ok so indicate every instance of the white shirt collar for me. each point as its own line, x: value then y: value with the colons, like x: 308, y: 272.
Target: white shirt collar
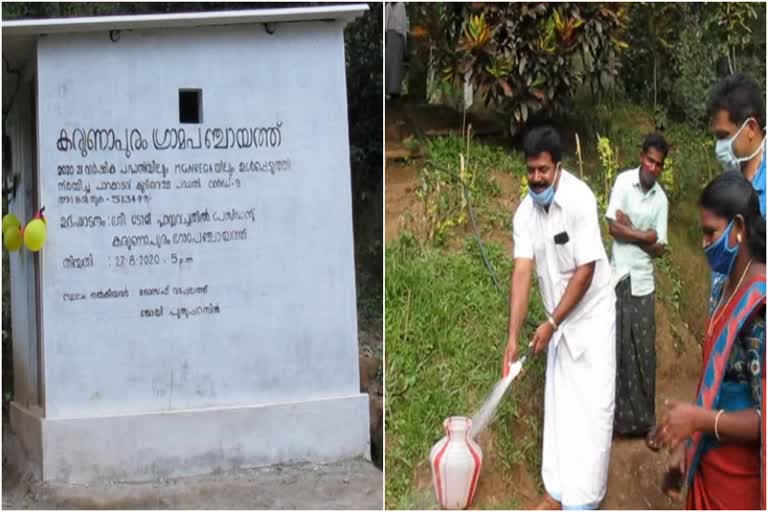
x: 562, y: 192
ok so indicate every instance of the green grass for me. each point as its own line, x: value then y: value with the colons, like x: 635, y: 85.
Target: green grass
x: 445, y: 151
x: 445, y: 329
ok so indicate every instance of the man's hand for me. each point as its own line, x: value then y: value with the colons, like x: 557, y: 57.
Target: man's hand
x: 518, y: 308
x: 623, y: 230
x: 510, y: 355
x: 623, y: 218
x: 541, y: 337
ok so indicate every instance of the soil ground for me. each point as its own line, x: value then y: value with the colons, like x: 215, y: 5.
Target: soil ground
x: 353, y: 484
x: 635, y: 472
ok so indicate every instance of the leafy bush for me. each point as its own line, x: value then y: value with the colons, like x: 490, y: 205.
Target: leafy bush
x: 530, y: 57
x: 677, y: 51
x: 440, y: 191
x: 610, y: 169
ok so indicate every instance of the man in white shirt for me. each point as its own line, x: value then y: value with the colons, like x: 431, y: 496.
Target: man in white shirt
x: 556, y: 226
x: 637, y: 218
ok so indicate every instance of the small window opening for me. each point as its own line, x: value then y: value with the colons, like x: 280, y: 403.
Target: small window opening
x: 190, y: 105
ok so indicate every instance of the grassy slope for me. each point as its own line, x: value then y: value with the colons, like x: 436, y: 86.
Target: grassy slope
x: 445, y: 322
x: 445, y: 330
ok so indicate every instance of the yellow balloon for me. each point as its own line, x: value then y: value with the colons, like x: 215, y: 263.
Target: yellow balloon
x: 10, y: 220
x: 34, y: 235
x: 12, y: 238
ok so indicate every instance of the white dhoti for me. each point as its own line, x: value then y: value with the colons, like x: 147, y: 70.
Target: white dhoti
x: 578, y: 414
x: 581, y: 358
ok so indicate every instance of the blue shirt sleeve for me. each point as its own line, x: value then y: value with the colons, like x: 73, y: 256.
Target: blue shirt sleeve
x: 758, y: 183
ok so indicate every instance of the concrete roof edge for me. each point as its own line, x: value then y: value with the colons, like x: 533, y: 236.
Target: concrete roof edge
x: 345, y: 12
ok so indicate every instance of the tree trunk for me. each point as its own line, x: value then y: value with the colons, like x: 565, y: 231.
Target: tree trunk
x: 654, y: 80
x: 418, y: 68
x: 730, y: 62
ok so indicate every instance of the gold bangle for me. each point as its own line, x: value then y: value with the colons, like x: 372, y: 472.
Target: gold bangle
x: 717, y: 419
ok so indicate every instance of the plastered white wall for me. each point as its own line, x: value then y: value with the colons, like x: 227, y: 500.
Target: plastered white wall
x: 270, y: 311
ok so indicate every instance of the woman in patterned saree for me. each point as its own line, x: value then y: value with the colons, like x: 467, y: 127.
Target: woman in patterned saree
x: 720, y: 440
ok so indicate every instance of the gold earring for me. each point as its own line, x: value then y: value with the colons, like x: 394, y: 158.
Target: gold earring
x: 738, y: 238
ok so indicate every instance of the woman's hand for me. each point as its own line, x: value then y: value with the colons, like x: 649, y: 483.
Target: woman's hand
x: 679, y: 423
x: 675, y: 475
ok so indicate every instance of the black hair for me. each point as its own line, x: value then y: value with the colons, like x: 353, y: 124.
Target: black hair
x: 543, y: 139
x: 730, y: 194
x: 656, y: 140
x: 740, y: 96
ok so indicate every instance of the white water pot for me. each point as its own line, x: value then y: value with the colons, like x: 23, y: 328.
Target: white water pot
x: 455, y: 461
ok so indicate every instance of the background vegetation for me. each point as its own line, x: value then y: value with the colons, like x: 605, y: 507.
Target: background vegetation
x: 531, y: 57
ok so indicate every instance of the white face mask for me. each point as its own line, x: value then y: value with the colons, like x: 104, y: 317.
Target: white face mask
x: 724, y: 151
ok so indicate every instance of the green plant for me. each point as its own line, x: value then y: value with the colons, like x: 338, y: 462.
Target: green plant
x: 669, y: 179
x: 440, y: 193
x: 693, y: 161
x: 677, y: 50
x: 528, y: 57
x: 610, y: 166
x: 734, y: 20
x: 654, y: 29
x: 523, y: 191
x: 671, y: 295
x: 696, y: 72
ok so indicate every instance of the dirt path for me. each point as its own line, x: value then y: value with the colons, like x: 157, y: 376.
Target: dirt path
x: 634, y: 478
x: 635, y: 474
x: 401, y: 183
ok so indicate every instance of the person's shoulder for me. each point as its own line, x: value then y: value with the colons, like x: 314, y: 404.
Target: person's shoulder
x: 577, y: 190
x: 663, y: 199
x: 627, y: 174
x: 625, y: 178
x: 525, y: 207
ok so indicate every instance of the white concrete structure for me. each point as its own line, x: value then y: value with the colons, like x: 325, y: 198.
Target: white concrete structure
x: 194, y: 306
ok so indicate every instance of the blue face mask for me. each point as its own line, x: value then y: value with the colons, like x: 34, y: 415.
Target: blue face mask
x: 545, y: 197
x: 719, y: 255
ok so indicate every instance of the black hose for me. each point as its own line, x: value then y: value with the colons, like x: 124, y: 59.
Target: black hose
x: 421, y: 136
x: 476, y: 232
x: 473, y: 222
